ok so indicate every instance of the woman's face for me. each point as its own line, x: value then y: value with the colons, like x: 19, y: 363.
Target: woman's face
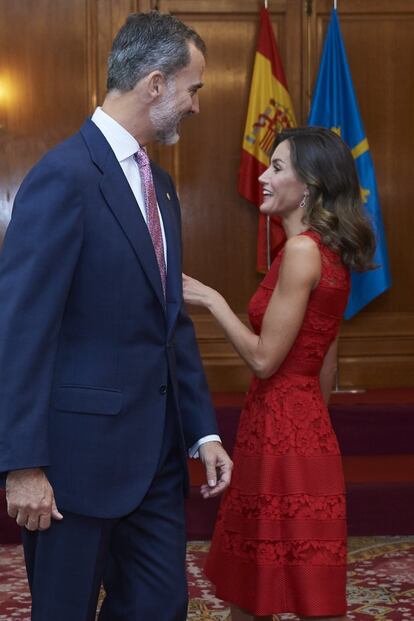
x: 282, y: 189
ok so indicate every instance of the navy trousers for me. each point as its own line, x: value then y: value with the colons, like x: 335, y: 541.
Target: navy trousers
x: 140, y: 557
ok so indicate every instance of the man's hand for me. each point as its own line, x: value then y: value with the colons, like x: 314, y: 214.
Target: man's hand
x: 218, y: 467
x: 30, y: 499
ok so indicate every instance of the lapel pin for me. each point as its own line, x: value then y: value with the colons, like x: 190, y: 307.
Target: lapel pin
x: 168, y: 196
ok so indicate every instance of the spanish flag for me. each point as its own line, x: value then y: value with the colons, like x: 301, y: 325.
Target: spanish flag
x: 270, y: 110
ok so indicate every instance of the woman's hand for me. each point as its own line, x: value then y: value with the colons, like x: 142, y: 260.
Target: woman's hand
x: 198, y: 294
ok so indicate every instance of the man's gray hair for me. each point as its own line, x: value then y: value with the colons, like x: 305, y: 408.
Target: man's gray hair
x: 147, y: 42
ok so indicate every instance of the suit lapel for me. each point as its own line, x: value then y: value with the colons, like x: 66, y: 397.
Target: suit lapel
x: 120, y: 199
x: 173, y: 293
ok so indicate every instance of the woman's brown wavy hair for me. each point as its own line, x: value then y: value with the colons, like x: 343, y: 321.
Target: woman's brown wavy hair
x: 334, y: 209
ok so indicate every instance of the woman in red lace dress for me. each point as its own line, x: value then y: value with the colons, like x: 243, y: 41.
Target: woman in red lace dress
x: 280, y: 539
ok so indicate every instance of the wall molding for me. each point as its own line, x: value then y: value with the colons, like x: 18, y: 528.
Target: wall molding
x: 376, y: 350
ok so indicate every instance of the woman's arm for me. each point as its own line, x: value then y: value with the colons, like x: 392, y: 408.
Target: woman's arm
x: 299, y: 274
x: 328, y: 370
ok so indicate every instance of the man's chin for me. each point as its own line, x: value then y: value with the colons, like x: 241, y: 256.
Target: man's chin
x: 170, y: 138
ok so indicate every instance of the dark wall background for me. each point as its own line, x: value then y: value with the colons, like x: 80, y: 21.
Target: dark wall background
x: 52, y: 74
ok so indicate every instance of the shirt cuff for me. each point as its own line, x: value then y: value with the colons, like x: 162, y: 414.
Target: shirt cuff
x: 193, y: 451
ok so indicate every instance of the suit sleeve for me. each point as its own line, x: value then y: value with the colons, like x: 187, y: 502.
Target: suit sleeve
x: 194, y: 398
x: 37, y: 262
x: 195, y: 403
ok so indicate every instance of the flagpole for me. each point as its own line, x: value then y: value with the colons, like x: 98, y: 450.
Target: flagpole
x: 267, y: 217
x: 268, y: 257
x: 268, y: 87
x: 337, y: 388
x: 308, y: 67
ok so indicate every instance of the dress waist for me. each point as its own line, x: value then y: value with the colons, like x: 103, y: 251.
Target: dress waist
x: 298, y: 366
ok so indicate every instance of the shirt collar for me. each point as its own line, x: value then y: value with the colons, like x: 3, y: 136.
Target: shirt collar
x: 122, y: 143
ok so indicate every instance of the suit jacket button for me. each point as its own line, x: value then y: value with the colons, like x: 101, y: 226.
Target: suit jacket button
x: 163, y: 389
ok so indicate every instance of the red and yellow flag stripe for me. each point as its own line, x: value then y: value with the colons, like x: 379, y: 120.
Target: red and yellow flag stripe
x: 269, y: 111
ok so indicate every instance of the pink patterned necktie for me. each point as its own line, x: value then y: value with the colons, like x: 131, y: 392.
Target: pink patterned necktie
x: 153, y: 217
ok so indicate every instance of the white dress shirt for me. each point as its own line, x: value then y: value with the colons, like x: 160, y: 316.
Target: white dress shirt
x: 124, y: 146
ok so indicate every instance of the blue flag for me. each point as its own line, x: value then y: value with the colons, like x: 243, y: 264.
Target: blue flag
x: 335, y: 106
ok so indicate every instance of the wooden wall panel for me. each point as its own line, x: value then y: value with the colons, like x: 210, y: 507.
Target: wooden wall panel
x: 377, y: 346
x: 377, y: 350
x: 375, y: 355
x: 53, y: 56
x: 219, y: 227
x: 108, y: 15
x: 43, y: 83
x: 379, y: 39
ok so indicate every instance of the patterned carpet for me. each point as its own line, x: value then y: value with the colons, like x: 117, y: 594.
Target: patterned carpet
x: 380, y: 582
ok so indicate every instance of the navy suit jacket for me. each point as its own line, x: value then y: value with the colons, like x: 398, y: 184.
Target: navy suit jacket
x: 92, y: 358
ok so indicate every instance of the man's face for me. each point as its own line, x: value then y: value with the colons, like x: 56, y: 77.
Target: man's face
x: 180, y: 99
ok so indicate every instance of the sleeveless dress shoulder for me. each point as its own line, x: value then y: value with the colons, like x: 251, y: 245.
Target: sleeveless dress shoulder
x: 280, y: 538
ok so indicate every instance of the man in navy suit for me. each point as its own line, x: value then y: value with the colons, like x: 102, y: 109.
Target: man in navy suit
x: 102, y: 392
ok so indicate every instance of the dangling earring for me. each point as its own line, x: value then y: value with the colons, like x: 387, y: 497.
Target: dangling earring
x: 304, y: 200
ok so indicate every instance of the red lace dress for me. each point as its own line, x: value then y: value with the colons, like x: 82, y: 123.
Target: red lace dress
x: 280, y: 539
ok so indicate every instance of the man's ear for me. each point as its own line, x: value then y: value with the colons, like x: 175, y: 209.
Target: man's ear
x: 155, y: 83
